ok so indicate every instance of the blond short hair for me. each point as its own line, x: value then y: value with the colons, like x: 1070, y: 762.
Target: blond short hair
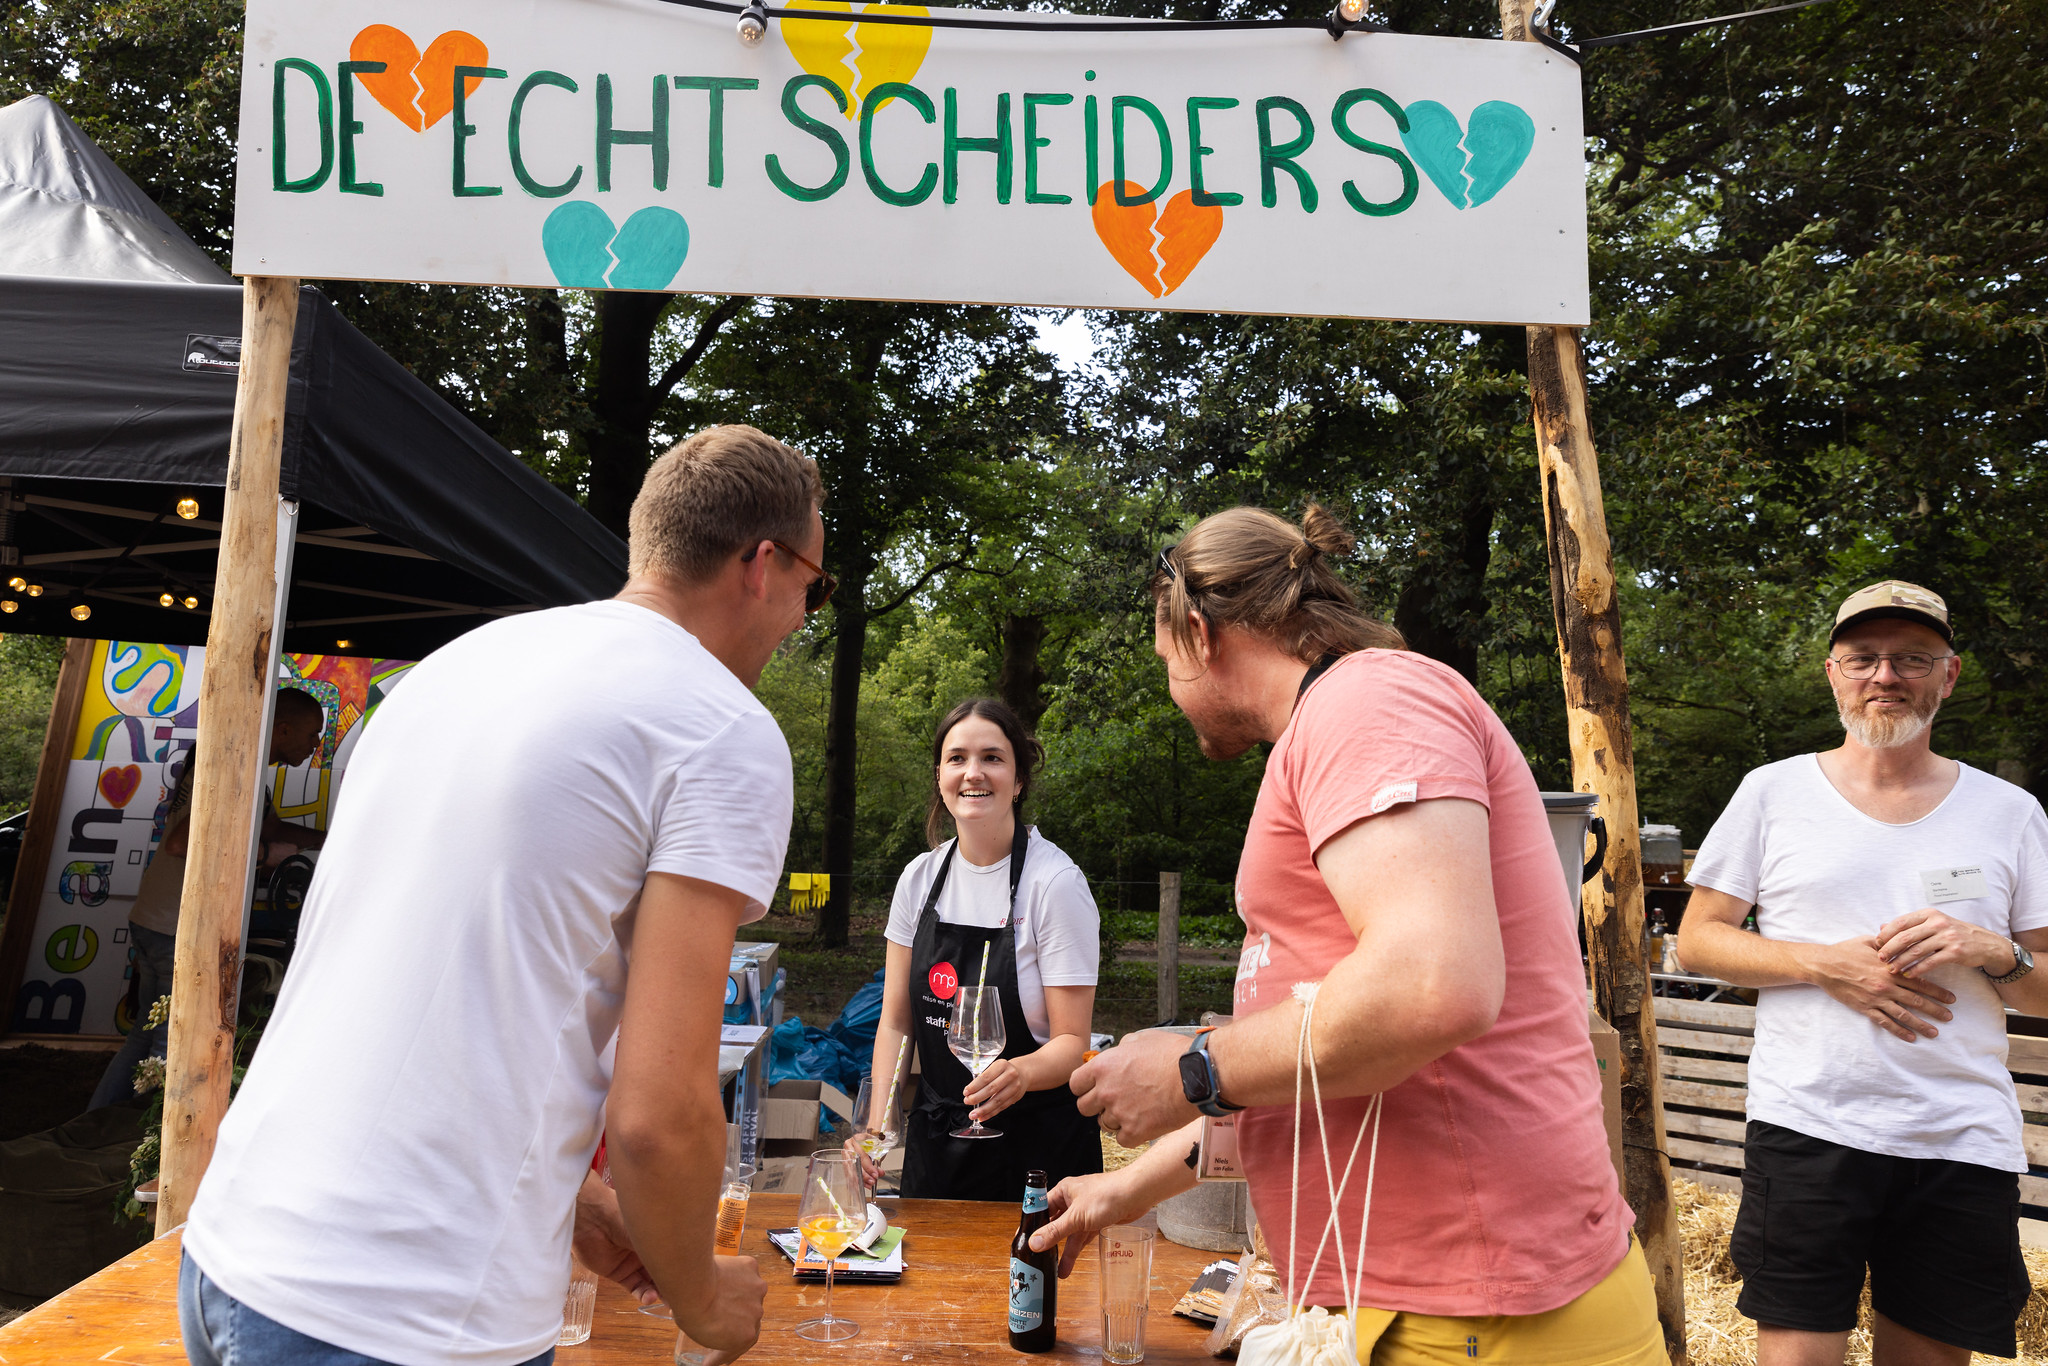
x: 1250, y: 568
x: 715, y: 494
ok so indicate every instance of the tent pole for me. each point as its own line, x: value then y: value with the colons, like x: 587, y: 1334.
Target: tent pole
x: 25, y: 898
x: 234, y: 698
x: 1603, y: 762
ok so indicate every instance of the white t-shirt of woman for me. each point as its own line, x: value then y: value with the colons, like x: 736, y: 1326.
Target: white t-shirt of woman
x: 1057, y: 926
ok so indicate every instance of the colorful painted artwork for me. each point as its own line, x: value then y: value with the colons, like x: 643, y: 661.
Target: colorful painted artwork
x: 135, y: 732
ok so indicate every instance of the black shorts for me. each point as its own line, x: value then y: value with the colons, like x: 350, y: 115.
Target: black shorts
x: 1941, y: 1239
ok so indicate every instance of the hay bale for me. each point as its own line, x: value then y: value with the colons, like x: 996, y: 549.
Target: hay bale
x: 1115, y: 1154
x: 1716, y: 1335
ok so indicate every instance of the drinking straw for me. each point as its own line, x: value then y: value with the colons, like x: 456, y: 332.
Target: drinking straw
x: 896, y: 1077
x: 979, y: 979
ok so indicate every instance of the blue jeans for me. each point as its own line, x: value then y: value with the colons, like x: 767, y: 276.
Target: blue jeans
x: 150, y: 954
x: 222, y: 1331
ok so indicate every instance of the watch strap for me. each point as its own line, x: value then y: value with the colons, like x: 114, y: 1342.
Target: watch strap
x: 1213, y: 1104
x: 2022, y: 964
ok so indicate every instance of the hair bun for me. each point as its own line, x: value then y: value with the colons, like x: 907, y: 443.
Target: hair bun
x: 1322, y: 531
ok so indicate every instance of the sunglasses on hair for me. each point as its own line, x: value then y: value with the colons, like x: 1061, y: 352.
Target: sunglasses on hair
x: 1166, y: 561
x: 819, y: 590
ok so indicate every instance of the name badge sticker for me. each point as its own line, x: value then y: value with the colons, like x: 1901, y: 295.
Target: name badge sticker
x: 1943, y: 885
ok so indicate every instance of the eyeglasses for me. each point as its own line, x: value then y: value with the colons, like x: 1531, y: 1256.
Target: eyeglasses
x: 819, y: 590
x: 1166, y: 561
x: 1912, y: 664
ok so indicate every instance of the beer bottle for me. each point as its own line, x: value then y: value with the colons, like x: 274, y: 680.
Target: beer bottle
x: 1034, y: 1276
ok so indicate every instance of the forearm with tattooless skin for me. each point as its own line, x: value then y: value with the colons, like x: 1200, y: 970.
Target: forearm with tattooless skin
x: 1712, y: 942
x: 894, y: 1025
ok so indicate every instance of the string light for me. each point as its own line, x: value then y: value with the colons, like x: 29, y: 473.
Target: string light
x: 341, y: 644
x: 188, y: 508
x: 18, y: 583
x: 753, y: 24
x: 191, y: 602
x: 80, y: 612
x: 167, y: 600
x: 34, y: 590
x: 10, y: 605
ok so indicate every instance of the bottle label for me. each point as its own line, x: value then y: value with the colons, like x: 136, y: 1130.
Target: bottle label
x: 1027, y: 1297
x: 1034, y: 1199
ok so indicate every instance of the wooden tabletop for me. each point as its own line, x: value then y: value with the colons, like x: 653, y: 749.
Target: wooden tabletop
x: 951, y: 1306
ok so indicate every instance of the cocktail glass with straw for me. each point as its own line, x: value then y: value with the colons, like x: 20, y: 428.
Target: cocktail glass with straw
x: 974, y: 1035
x: 833, y: 1213
x: 879, y: 1112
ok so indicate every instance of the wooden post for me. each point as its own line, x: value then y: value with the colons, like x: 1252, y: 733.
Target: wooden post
x: 233, y: 699
x: 24, y: 898
x: 1169, y: 947
x: 1603, y: 762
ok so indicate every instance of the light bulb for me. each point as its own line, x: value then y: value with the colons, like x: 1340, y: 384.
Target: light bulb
x: 80, y: 612
x: 167, y: 600
x: 341, y: 645
x: 10, y: 605
x: 753, y: 24
x: 34, y: 590
x: 1352, y: 10
x: 191, y: 602
x: 17, y: 583
x: 188, y: 508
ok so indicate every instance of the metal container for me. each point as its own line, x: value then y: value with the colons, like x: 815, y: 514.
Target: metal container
x: 1571, y: 820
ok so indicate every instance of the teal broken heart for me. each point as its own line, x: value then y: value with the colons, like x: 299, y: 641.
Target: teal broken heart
x: 586, y: 252
x: 1471, y: 164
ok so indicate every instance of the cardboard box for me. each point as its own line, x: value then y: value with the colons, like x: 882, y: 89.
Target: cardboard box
x: 791, y: 1108
x: 750, y: 981
x: 1607, y: 1055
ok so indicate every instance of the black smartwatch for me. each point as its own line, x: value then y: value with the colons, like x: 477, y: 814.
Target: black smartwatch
x: 1199, y: 1082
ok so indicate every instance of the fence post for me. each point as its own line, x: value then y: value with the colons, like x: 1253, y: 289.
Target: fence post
x: 1169, y: 947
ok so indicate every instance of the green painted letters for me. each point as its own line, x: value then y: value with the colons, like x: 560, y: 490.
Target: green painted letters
x: 279, y: 180
x: 519, y: 171
x: 1197, y: 191
x: 872, y: 105
x: 608, y: 137
x: 1279, y: 156
x: 1092, y: 134
x: 999, y: 145
x: 345, y: 84
x: 1409, y: 181
x: 1032, y: 142
x: 1150, y: 110
x: 823, y: 132
x: 463, y: 132
x: 717, y: 86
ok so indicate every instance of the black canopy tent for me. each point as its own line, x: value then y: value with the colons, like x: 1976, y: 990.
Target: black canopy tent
x: 119, y: 345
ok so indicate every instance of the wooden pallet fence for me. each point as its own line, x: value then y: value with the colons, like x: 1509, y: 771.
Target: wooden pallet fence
x: 1703, y: 1056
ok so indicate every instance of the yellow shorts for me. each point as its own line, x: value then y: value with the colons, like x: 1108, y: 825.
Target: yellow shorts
x: 1613, y: 1324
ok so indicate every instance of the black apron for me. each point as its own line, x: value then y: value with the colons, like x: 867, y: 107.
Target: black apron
x: 1043, y: 1131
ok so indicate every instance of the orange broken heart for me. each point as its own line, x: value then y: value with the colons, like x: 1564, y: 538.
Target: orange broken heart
x: 1159, y: 247
x: 418, y: 89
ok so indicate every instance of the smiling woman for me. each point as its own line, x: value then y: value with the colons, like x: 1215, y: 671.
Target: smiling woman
x: 997, y: 906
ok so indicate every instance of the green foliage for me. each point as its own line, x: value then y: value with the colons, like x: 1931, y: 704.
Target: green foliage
x: 28, y: 681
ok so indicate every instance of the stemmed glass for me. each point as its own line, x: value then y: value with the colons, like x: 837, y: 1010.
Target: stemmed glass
x: 974, y: 1035
x: 879, y: 1112
x: 834, y: 1213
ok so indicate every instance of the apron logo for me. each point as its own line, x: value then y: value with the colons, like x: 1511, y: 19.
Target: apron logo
x: 944, y: 981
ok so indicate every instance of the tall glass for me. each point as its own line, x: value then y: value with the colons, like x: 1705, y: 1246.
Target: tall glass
x: 1124, y: 1254
x: 974, y: 1035
x: 833, y: 1213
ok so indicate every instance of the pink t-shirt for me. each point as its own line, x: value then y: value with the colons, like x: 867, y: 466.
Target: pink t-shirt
x: 1495, y: 1193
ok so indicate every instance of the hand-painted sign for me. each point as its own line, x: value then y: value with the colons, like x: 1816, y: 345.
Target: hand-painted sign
x: 630, y: 144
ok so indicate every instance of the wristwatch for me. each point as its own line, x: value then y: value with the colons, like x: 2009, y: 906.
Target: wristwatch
x: 1199, y: 1082
x: 2022, y: 964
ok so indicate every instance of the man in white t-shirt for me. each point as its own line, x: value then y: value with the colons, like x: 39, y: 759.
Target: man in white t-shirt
x: 1899, y: 898
x: 552, y: 831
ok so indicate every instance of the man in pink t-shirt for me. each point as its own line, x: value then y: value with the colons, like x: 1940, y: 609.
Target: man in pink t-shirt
x: 1399, y: 857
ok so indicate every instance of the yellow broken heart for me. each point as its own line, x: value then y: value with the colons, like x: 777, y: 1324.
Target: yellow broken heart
x: 878, y: 53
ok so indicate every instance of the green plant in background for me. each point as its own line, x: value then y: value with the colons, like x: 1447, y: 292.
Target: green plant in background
x: 28, y: 682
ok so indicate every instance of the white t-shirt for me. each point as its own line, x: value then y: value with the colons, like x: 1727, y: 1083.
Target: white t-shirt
x: 1820, y: 871
x: 398, y: 1174
x: 1058, y: 929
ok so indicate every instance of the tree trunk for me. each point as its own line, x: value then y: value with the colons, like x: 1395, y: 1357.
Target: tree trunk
x: 1021, y: 681
x: 1444, y: 597
x: 842, y: 745
x: 620, y: 446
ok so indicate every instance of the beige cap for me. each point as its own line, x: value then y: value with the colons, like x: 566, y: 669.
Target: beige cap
x: 1897, y: 599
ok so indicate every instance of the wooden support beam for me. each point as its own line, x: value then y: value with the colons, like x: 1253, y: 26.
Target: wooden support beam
x: 24, y: 897
x: 233, y: 707
x: 1603, y: 762
x: 1169, y: 947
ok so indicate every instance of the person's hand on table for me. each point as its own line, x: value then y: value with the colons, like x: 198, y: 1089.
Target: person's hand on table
x: 1133, y: 1089
x: 1082, y: 1206
x: 726, y: 1316
x: 1000, y: 1086
x: 602, y: 1243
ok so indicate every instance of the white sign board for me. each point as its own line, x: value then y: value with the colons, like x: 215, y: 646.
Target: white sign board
x: 632, y: 144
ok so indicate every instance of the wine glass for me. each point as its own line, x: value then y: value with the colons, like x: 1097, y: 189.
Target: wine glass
x: 879, y: 1112
x: 834, y: 1213
x: 974, y: 1035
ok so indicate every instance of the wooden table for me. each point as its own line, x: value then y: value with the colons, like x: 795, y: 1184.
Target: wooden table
x: 951, y: 1306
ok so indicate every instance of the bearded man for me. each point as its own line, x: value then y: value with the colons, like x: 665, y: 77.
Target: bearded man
x: 1900, y: 897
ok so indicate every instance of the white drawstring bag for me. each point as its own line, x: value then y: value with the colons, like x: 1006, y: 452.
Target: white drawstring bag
x: 1312, y: 1335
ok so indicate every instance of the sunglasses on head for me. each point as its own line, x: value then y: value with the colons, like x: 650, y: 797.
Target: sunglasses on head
x: 819, y: 590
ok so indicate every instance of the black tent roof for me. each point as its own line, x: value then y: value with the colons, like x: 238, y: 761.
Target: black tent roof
x: 118, y: 347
